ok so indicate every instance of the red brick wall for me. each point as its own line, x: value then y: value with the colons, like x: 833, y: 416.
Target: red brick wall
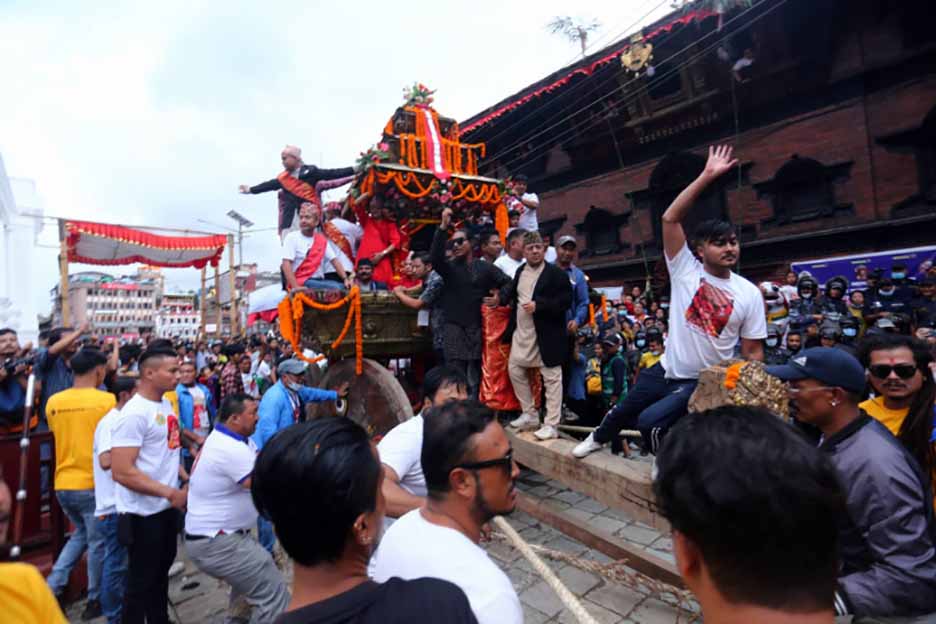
x: 879, y: 177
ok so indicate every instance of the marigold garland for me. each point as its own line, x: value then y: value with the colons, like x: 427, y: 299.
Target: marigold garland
x: 591, y: 314
x: 291, y: 313
x: 604, y: 308
x: 732, y: 373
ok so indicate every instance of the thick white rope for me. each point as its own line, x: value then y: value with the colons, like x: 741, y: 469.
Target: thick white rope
x: 568, y: 598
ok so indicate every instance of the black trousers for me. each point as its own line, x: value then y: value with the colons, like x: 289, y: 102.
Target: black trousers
x: 151, y: 549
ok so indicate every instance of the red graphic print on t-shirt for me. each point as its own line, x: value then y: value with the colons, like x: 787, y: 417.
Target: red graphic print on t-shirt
x: 710, y: 309
x: 172, y: 425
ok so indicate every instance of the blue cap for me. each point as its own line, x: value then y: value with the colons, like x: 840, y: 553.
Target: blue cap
x: 833, y: 367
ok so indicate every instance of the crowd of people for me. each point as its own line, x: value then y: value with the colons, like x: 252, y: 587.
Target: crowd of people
x: 207, y: 445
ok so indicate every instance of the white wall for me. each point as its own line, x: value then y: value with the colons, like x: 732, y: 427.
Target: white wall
x: 21, y: 222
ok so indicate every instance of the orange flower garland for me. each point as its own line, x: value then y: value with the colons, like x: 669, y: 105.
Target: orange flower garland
x: 732, y: 374
x: 291, y: 313
x: 604, y: 308
x: 591, y: 314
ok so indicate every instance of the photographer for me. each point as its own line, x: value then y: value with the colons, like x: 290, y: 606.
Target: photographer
x: 13, y: 376
x: 52, y: 365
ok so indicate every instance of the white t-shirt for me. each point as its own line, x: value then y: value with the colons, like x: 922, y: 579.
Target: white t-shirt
x: 551, y: 255
x: 528, y: 218
x: 708, y: 316
x: 263, y: 370
x: 295, y: 247
x: 351, y: 231
x: 401, y: 449
x: 152, y: 427
x: 414, y: 548
x: 104, y: 501
x: 508, y: 265
x: 250, y: 385
x: 217, y: 501
x: 200, y: 413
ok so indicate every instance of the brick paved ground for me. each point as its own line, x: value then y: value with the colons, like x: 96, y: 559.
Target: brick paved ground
x: 200, y: 599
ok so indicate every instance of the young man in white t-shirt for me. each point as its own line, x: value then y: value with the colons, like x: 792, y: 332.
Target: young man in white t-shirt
x: 114, y: 565
x: 302, y: 269
x: 527, y: 204
x: 711, y: 309
x: 221, y: 513
x: 145, y: 465
x: 404, y: 485
x: 513, y: 253
x: 470, y: 477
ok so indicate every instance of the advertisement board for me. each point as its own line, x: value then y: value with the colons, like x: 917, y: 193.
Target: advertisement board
x: 918, y: 261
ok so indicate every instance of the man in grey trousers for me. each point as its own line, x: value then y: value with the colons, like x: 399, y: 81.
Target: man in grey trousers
x: 221, y: 513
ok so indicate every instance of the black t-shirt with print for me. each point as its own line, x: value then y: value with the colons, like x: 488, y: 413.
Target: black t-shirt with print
x: 425, y: 600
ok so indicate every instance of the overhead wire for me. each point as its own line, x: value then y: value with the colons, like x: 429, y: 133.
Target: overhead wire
x: 653, y: 82
x: 657, y: 80
x: 574, y: 87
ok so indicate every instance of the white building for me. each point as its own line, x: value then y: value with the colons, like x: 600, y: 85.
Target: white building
x: 21, y: 222
x: 178, y: 317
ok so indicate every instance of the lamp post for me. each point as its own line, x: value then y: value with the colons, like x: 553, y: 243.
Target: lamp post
x: 242, y: 222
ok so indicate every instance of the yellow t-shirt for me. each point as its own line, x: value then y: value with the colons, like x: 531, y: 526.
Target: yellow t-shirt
x: 73, y: 415
x: 892, y: 419
x: 648, y: 359
x: 25, y: 596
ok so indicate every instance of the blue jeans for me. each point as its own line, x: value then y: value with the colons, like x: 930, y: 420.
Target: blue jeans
x: 114, y: 568
x: 78, y: 505
x: 652, y: 405
x: 265, y: 534
x: 323, y: 284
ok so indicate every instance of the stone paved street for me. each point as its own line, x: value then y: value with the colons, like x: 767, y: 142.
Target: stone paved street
x: 200, y: 599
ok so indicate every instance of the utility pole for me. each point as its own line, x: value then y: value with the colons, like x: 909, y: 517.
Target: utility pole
x: 242, y: 222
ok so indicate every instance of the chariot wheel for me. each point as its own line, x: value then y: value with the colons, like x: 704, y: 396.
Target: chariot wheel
x: 376, y: 400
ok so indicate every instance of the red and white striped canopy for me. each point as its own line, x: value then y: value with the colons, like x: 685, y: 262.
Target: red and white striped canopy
x: 102, y: 243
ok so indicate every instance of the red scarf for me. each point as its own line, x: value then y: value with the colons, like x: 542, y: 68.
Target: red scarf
x: 299, y: 188
x: 334, y: 235
x: 312, y: 260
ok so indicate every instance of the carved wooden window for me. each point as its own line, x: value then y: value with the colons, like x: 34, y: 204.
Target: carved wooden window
x: 602, y: 231
x: 803, y: 189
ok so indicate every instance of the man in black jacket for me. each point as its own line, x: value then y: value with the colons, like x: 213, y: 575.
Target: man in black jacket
x: 539, y: 296
x: 887, y: 541
x: 466, y: 282
x: 297, y: 183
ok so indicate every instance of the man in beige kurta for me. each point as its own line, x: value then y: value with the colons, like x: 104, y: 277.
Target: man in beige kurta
x: 525, y: 353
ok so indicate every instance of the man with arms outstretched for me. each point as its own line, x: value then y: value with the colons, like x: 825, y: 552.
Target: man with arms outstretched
x: 711, y: 309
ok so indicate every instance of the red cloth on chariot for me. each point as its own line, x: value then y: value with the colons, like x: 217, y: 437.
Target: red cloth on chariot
x: 378, y: 235
x: 496, y: 390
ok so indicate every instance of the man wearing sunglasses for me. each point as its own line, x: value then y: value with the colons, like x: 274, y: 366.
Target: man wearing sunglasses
x: 886, y: 541
x: 470, y: 477
x: 466, y: 283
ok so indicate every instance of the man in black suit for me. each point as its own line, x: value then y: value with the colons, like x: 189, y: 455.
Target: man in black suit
x: 539, y: 296
x: 297, y: 183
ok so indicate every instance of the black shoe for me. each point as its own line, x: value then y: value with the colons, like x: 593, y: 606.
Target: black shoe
x: 91, y: 611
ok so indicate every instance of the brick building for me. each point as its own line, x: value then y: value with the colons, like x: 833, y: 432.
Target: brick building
x: 834, y: 121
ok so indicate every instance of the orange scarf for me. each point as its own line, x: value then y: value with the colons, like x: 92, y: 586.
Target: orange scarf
x: 299, y: 188
x: 334, y: 235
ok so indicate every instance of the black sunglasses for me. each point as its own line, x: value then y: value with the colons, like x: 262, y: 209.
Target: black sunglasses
x: 505, y: 462
x: 459, y: 240
x: 883, y: 371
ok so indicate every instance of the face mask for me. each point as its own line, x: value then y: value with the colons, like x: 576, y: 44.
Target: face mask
x: 772, y: 342
x: 665, y: 306
x: 292, y: 385
x: 641, y: 343
x: 898, y: 275
x: 851, y: 333
x: 886, y: 293
x: 806, y: 295
x: 655, y: 352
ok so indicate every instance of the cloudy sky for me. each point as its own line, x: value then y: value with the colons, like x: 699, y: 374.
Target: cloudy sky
x: 153, y: 113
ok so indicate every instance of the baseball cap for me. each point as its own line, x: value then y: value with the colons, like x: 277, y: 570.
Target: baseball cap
x: 833, y: 367
x: 566, y: 239
x: 612, y: 340
x: 292, y: 366
x: 885, y: 323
